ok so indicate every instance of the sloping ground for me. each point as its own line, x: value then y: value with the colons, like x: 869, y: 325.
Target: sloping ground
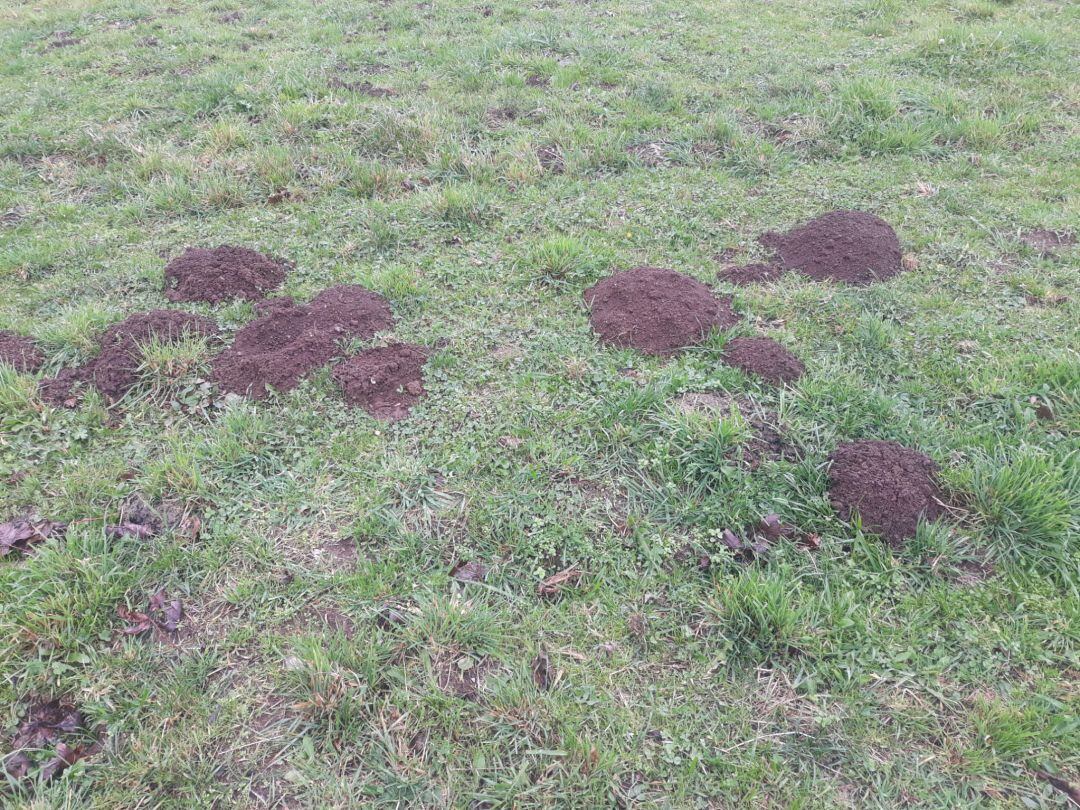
x: 415, y: 493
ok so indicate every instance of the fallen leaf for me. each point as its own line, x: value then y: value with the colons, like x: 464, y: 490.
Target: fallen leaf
x: 469, y: 572
x: 1063, y: 785
x: 162, y: 615
x: 20, y: 535
x: 554, y: 585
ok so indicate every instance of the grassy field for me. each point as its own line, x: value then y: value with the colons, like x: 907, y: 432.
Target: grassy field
x: 480, y: 163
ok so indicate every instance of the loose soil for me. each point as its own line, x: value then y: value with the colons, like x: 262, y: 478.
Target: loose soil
x: 386, y: 382
x: 116, y: 368
x: 461, y: 674
x: 846, y: 246
x: 20, y: 352
x: 289, y: 340
x: 655, y: 310
x: 888, y: 485
x: 750, y: 273
x: 763, y: 357
x: 221, y: 274
x: 1047, y: 242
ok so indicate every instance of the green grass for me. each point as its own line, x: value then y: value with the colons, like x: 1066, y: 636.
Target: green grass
x: 525, y: 151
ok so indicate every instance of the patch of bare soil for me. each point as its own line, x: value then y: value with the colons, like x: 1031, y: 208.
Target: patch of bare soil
x: 763, y: 357
x: 116, y: 368
x: 221, y: 274
x: 655, y: 310
x: 289, y: 340
x: 461, y: 674
x: 340, y: 555
x: 891, y: 487
x: 20, y: 352
x: 1047, y: 242
x: 386, y: 382
x: 851, y: 247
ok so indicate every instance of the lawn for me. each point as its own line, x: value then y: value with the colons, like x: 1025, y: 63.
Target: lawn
x: 521, y: 595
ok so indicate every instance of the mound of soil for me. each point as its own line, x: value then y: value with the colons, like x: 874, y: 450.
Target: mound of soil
x: 116, y: 368
x: 847, y: 246
x: 289, y: 340
x: 655, y: 310
x: 221, y: 274
x: 19, y: 352
x: 750, y: 273
x: 888, y: 485
x: 385, y: 382
x: 764, y: 357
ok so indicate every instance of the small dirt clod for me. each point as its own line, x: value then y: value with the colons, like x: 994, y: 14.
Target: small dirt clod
x: 656, y: 310
x: 891, y: 487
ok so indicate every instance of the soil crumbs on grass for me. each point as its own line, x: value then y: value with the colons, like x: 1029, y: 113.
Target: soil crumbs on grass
x: 656, y: 310
x: 289, y: 340
x: 20, y: 352
x: 847, y: 246
x: 116, y: 368
x: 765, y: 358
x: 891, y: 487
x: 221, y: 274
x: 386, y: 382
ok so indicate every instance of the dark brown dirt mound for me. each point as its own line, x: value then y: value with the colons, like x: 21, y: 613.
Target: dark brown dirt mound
x: 764, y: 357
x: 655, y: 310
x: 116, y: 368
x: 19, y: 352
x: 291, y: 340
x: 750, y: 273
x: 385, y: 382
x: 890, y: 486
x: 847, y: 246
x: 221, y: 274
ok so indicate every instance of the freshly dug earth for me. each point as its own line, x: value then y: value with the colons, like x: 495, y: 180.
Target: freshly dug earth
x: 289, y: 340
x: 221, y: 274
x: 386, y: 382
x: 890, y: 486
x: 764, y: 357
x: 116, y: 368
x: 19, y: 352
x: 655, y: 310
x: 750, y: 273
x: 846, y: 246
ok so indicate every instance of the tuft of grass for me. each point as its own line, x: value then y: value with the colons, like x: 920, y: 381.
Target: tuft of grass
x: 1030, y: 505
